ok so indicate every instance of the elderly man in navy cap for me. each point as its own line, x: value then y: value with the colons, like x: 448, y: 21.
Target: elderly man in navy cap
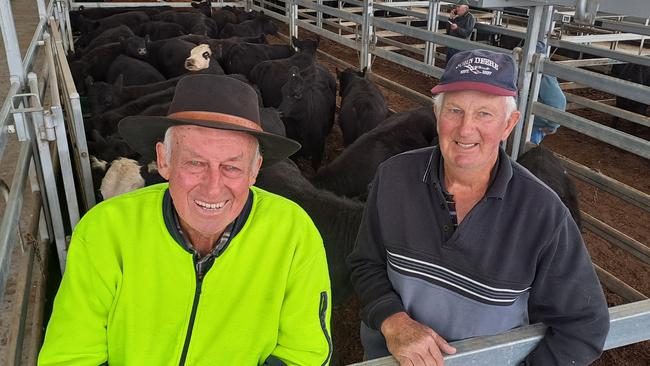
x: 459, y: 241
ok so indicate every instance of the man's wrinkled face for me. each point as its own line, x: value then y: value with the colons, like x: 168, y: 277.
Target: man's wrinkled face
x: 210, y: 172
x: 471, y: 125
x: 462, y: 9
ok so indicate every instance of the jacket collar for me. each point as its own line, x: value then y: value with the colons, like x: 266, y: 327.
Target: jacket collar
x: 169, y: 216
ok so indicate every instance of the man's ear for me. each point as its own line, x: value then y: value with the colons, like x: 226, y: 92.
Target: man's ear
x: 511, y: 123
x: 161, y: 161
x: 256, y: 170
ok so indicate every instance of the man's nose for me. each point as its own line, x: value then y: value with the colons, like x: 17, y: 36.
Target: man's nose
x: 213, y: 180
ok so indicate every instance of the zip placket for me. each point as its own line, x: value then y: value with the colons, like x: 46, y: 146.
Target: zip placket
x: 198, y: 271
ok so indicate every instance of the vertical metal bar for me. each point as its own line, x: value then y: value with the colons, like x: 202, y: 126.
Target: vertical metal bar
x: 42, y: 12
x: 319, y: 15
x: 12, y: 49
x: 524, y: 73
x: 366, y: 35
x: 546, y: 25
x: 528, y: 117
x: 11, y: 215
x: 432, y: 26
x: 61, y: 139
x: 48, y: 175
x: 293, y: 17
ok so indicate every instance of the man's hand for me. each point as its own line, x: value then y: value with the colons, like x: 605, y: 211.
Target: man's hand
x: 454, y: 26
x: 412, y: 343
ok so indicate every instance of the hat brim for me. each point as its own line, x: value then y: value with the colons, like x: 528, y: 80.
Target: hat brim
x: 473, y: 85
x: 143, y: 132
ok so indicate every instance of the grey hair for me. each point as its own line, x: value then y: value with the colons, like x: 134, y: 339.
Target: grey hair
x: 511, y: 105
x: 167, y: 144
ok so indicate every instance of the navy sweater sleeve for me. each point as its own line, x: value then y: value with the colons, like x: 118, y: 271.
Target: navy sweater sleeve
x: 567, y: 297
x: 367, y: 264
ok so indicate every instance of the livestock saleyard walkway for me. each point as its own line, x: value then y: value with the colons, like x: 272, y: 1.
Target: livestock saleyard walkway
x: 43, y: 142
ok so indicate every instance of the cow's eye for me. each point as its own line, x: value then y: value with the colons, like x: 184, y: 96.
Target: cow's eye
x: 206, y: 55
x: 297, y: 95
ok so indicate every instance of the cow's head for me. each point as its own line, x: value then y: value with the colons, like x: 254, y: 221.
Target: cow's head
x: 135, y: 46
x: 292, y: 92
x: 199, y: 58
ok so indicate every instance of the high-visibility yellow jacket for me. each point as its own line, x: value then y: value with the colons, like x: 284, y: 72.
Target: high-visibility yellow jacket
x: 131, y: 296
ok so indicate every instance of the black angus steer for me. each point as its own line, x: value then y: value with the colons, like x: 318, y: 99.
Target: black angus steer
x: 133, y: 71
x: 169, y: 55
x: 157, y: 30
x: 241, y: 58
x: 549, y: 169
x: 261, y: 24
x: 271, y: 75
x: 96, y: 62
x: 108, y: 36
x: 308, y: 106
x: 363, y: 107
x: 337, y: 218
x: 351, y: 172
x: 92, y: 28
x: 193, y: 21
x: 639, y: 74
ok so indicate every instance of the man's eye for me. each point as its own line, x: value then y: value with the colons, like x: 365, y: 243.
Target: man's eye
x: 194, y: 163
x: 231, y: 169
x: 455, y: 110
x: 484, y: 114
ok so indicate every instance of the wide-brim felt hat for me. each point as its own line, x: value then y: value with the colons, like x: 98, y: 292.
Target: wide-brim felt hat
x: 213, y: 101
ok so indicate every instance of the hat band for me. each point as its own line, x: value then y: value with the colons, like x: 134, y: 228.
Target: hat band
x: 216, y: 117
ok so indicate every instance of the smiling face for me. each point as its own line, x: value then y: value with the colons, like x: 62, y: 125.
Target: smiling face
x: 471, y: 125
x: 210, y: 172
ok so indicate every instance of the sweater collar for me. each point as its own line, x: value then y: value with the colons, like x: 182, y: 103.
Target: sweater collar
x: 499, y: 177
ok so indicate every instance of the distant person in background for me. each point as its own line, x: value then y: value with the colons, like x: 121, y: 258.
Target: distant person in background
x: 550, y: 94
x: 461, y: 23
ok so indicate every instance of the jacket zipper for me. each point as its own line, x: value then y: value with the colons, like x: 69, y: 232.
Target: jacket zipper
x: 195, y: 305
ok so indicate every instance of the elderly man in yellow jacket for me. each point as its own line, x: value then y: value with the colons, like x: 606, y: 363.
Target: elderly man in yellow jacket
x: 205, y: 269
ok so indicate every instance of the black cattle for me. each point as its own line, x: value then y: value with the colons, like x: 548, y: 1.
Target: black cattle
x: 336, y: 218
x: 351, y: 172
x: 262, y: 24
x: 108, y: 36
x: 637, y: 74
x: 157, y: 30
x: 97, y: 62
x: 271, y: 75
x: 193, y: 22
x: 92, y: 28
x: 548, y: 168
x: 110, y: 147
x: 169, y: 55
x: 271, y: 121
x: 77, y: 16
x: 308, y: 107
x: 133, y: 71
x: 363, y: 107
x: 241, y: 58
x: 106, y: 123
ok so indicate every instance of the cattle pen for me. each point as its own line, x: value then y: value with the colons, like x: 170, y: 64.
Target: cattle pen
x: 47, y: 178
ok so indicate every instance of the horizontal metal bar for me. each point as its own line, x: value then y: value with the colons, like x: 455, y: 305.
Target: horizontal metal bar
x: 622, y: 289
x: 607, y: 184
x: 408, y: 62
x: 11, y: 215
x: 331, y: 11
x: 616, y: 237
x: 596, y: 130
x: 4, y: 115
x: 614, y: 37
x: 30, y: 54
x: 602, y: 52
x: 589, y: 62
x: 601, y: 107
x: 327, y: 34
x: 629, y: 323
x: 634, y: 91
x: 76, y: 4
x: 623, y: 26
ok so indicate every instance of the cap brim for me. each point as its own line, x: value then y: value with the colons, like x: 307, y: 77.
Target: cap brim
x: 473, y: 85
x: 143, y: 132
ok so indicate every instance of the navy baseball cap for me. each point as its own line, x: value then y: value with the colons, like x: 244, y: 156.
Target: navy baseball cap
x: 480, y: 70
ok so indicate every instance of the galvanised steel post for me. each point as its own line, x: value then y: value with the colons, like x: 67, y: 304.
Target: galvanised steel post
x: 525, y: 73
x: 432, y: 26
x: 12, y: 49
x: 366, y: 34
x: 319, y: 16
x: 293, y: 18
